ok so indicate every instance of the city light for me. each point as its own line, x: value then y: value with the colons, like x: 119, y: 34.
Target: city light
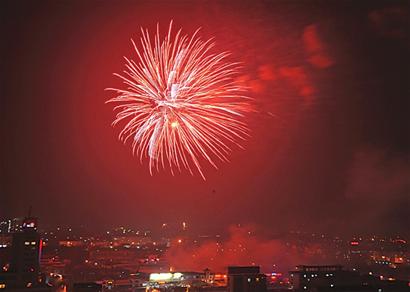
x: 165, y: 276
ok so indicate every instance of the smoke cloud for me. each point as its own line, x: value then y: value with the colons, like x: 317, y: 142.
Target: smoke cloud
x: 243, y: 247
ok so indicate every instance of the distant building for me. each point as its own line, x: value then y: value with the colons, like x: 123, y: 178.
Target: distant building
x: 307, y: 277
x: 11, y: 225
x: 87, y: 287
x: 335, y: 278
x: 246, y: 279
x: 71, y: 243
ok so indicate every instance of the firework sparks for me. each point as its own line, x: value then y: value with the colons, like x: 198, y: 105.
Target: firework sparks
x: 182, y: 104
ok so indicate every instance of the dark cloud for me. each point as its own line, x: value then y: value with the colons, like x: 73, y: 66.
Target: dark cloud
x: 375, y: 174
x: 379, y: 190
x: 391, y: 21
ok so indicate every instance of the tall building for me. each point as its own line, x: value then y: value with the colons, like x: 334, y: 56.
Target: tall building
x: 25, y: 256
x: 246, y: 279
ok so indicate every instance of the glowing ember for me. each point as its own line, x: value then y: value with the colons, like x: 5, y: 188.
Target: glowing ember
x: 182, y: 103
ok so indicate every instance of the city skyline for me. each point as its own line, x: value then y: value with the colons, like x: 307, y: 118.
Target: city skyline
x: 329, y: 146
x: 62, y: 259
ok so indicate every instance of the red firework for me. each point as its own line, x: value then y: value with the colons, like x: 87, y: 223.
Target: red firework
x: 182, y: 104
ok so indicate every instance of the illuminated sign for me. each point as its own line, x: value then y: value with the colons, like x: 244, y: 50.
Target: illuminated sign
x: 165, y: 277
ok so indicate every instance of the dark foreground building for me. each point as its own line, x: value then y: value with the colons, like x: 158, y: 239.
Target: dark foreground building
x: 24, y: 269
x: 246, y: 279
x: 26, y: 248
x: 336, y: 279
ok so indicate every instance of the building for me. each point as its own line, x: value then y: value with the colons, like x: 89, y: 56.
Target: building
x: 308, y: 277
x: 246, y: 279
x: 24, y: 271
x: 11, y: 225
x: 87, y: 287
x: 25, y: 255
x: 335, y: 278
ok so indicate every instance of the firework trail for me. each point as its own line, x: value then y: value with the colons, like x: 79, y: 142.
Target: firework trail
x: 182, y: 103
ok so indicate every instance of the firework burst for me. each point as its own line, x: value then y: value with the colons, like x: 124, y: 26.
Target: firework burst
x: 182, y: 104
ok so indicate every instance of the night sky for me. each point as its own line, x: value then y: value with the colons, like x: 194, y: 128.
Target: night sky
x: 330, y: 143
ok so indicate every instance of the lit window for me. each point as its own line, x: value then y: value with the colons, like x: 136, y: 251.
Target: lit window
x: 33, y: 243
x: 26, y: 243
x: 2, y: 286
